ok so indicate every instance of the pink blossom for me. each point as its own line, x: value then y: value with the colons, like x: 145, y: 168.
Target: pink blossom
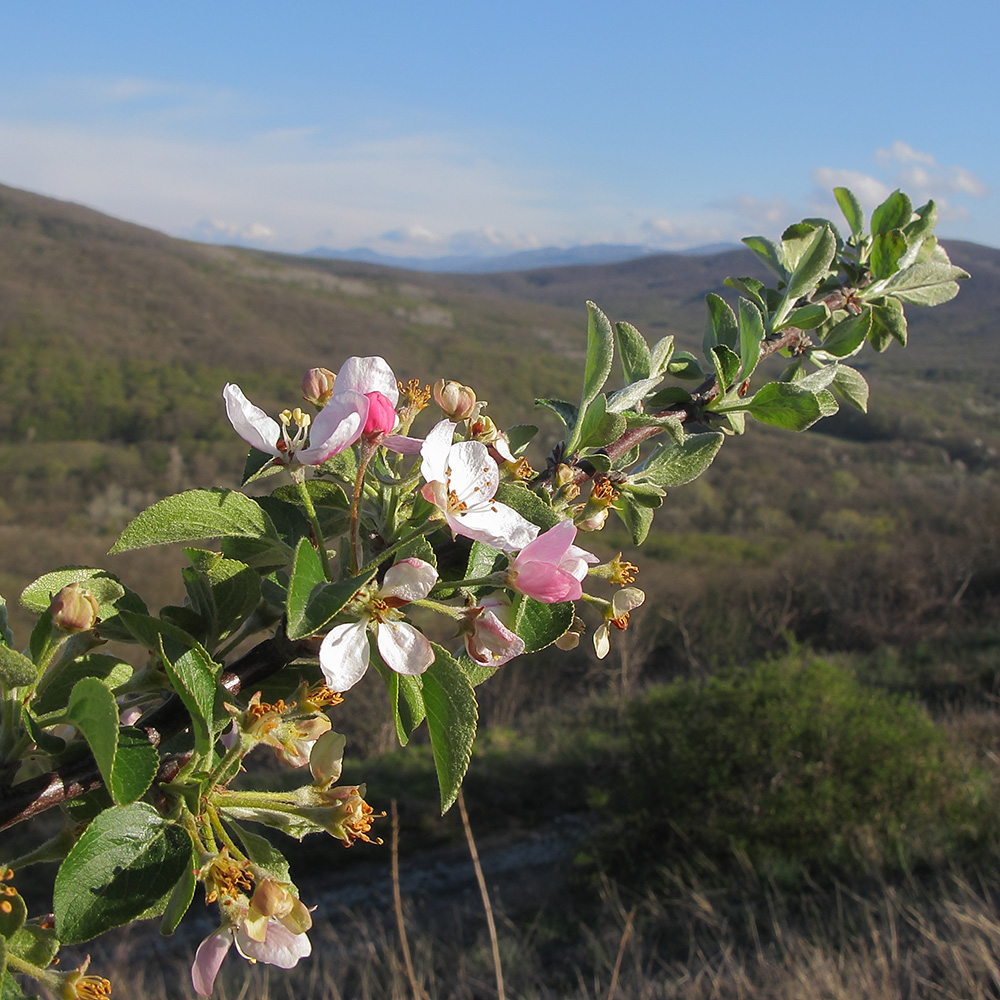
x: 344, y: 654
x: 551, y: 568
x: 462, y: 481
x: 488, y: 641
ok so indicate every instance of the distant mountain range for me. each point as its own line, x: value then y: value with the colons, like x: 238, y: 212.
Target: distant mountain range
x: 522, y: 260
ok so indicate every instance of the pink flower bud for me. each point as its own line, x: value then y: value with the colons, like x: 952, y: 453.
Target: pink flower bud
x: 457, y: 401
x: 381, y: 414
x: 317, y: 386
x: 74, y: 609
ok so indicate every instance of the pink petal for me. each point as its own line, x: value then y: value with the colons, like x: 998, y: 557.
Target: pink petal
x: 547, y: 583
x: 280, y: 946
x: 344, y: 655
x: 365, y: 375
x: 336, y: 427
x: 402, y: 445
x: 434, y: 452
x: 208, y: 960
x: 251, y: 422
x: 409, y: 580
x: 550, y: 546
x: 381, y: 414
x: 404, y: 649
x: 491, y: 643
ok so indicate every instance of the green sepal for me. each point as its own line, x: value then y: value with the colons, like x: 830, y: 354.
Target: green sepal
x: 123, y: 868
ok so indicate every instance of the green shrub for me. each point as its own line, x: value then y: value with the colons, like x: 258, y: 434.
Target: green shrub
x: 794, y: 764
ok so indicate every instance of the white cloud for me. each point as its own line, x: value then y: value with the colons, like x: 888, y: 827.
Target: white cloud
x: 870, y: 190
x: 902, y: 152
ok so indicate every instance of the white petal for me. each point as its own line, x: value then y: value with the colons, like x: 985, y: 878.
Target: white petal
x: 404, y: 649
x: 344, y: 655
x: 251, y: 422
x: 602, y: 645
x: 494, y: 523
x: 472, y: 475
x: 626, y: 600
x: 434, y: 452
x: 336, y: 427
x: 409, y: 580
x: 280, y: 946
x: 365, y: 375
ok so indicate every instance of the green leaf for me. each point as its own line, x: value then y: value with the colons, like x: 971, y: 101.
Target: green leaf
x: 307, y: 575
x: 566, y: 412
x: 326, y: 601
x: 636, y: 517
x: 528, y: 504
x: 894, y: 213
x: 677, y: 464
x: 53, y: 695
x: 600, y: 354
x: 851, y: 384
x: 258, y: 465
x: 344, y: 465
x: 12, y: 920
x: 223, y: 592
x: 633, y: 353
x: 180, y: 899
x: 927, y: 284
x: 16, y: 669
x: 920, y: 228
x: 599, y: 427
x: 263, y: 853
x: 685, y: 365
x: 808, y: 317
x: 660, y: 355
x: 849, y: 334
x: 622, y: 400
x: 539, y: 625
x: 888, y: 323
x: 720, y: 324
x: 853, y: 212
x: 125, y: 758
x: 106, y: 588
x: 887, y: 248
x: 452, y: 717
x: 751, y: 330
x: 751, y: 288
x: 123, y: 868
x: 6, y: 636
x: 727, y: 365
x: 519, y: 437
x: 35, y: 944
x: 644, y: 494
x: 194, y: 515
x: 785, y: 404
x: 812, y: 267
x: 769, y: 252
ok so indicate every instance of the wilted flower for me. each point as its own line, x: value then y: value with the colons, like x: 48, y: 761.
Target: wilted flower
x: 345, y: 653
x: 616, y: 617
x: 462, y: 481
x: 288, y: 730
x: 488, y: 641
x: 551, y: 568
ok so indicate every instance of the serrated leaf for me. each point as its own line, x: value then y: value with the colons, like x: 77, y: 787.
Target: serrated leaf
x: 528, y: 504
x: 54, y: 695
x: 751, y: 288
x: 925, y: 284
x: 326, y: 601
x: 672, y: 425
x: 452, y: 717
x: 849, y: 334
x: 566, y: 412
x: 785, y: 404
x: 769, y: 252
x: 123, y: 867
x: 105, y: 587
x: 600, y: 354
x: 307, y: 575
x: 645, y: 494
x: 727, y: 365
x: 195, y: 515
x: 851, y: 384
x: 539, y: 625
x: 894, y: 213
x: 888, y: 323
x: 853, y: 212
x: 720, y: 324
x: 16, y: 669
x: 637, y: 518
x: 677, y: 464
x: 887, y: 249
x: 633, y: 353
x: 751, y: 330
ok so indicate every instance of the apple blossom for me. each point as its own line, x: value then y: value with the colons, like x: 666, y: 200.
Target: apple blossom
x: 551, y: 568
x: 344, y: 654
x: 488, y: 641
x: 462, y: 481
x: 616, y: 615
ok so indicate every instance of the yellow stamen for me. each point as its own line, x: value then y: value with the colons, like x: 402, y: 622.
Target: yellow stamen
x: 415, y: 395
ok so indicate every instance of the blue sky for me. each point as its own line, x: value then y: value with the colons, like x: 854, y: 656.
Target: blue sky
x: 447, y: 127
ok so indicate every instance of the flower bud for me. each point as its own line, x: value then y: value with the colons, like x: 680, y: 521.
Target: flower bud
x: 381, y: 414
x: 327, y: 758
x: 74, y: 609
x: 594, y: 521
x: 457, y: 401
x: 317, y: 386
